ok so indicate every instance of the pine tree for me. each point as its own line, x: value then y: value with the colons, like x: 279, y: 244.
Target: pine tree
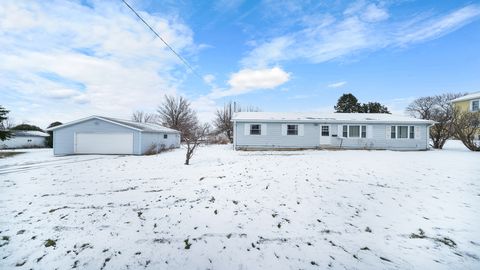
x: 4, y: 132
x: 347, y: 103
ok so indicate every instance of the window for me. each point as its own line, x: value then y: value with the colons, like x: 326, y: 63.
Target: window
x: 364, y: 131
x: 393, y: 134
x: 255, y: 130
x: 402, y: 132
x: 292, y: 129
x: 412, y: 132
x: 475, y: 105
x: 325, y: 131
x: 345, y: 132
x: 165, y: 136
x: 354, y: 131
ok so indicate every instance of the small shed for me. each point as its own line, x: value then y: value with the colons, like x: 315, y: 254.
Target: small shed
x: 106, y: 135
x: 25, y: 139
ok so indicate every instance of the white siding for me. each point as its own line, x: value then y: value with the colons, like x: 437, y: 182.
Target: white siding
x: 23, y: 142
x: 378, y: 137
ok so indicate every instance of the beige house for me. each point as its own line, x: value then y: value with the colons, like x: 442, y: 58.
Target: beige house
x: 468, y: 103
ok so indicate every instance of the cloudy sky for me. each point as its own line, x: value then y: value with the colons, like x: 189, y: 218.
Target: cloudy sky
x: 62, y: 60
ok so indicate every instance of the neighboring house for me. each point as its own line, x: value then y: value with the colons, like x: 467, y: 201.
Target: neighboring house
x: 25, y: 139
x: 264, y: 130
x: 105, y: 135
x: 468, y: 103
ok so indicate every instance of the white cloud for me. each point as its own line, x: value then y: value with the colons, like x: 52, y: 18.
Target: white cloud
x: 209, y: 78
x: 248, y: 80
x: 100, y: 59
x: 373, y: 13
x: 435, y: 27
x: 362, y: 27
x: 269, y: 52
x: 336, y: 85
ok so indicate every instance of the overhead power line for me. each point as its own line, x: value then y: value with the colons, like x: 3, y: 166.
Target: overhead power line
x: 168, y: 46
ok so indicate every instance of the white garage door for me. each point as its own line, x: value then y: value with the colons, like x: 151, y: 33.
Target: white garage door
x: 104, y: 143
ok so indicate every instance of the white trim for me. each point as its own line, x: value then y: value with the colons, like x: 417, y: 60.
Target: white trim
x: 90, y: 118
x: 301, y: 130
x: 471, y: 105
x: 408, y: 132
x: 359, y: 134
x: 234, y: 135
x: 246, y: 129
x: 284, y: 129
x: 263, y: 129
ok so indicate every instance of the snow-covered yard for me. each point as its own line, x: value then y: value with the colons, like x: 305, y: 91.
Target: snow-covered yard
x: 242, y: 210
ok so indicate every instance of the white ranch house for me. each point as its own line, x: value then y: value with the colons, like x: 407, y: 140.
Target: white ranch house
x: 105, y: 135
x: 267, y: 130
x: 25, y: 139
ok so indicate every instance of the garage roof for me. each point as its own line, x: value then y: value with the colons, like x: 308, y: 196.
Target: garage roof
x: 143, y: 127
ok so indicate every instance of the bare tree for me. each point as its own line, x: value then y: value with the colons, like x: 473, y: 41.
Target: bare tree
x: 194, y: 138
x: 175, y: 112
x: 467, y: 126
x: 248, y: 108
x: 439, y: 109
x: 223, y: 121
x: 143, y: 117
x: 223, y: 118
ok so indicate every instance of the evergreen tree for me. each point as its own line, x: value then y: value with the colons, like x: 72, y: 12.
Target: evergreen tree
x: 347, y: 103
x: 4, y: 132
x: 373, y: 107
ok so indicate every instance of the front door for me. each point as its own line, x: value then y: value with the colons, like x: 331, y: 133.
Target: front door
x: 325, y: 134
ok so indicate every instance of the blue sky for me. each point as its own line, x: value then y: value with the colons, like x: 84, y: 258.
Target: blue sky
x: 62, y: 60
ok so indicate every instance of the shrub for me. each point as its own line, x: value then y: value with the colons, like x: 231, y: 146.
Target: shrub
x: 157, y: 148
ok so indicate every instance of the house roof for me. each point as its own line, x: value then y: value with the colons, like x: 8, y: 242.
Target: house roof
x: 142, y: 127
x: 468, y: 97
x: 29, y: 133
x: 326, y: 117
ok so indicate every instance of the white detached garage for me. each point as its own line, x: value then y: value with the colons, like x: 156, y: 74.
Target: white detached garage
x: 105, y: 135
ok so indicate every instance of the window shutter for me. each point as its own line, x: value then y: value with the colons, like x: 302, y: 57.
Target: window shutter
x: 387, y: 132
x: 417, y: 133
x: 247, y: 129
x: 300, y: 130
x: 264, y: 129
x: 369, y: 132
x: 340, y: 131
x: 284, y: 129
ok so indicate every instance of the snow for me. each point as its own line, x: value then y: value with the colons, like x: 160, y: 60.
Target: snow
x: 146, y: 127
x: 468, y: 97
x: 311, y: 209
x: 28, y: 133
x: 327, y: 117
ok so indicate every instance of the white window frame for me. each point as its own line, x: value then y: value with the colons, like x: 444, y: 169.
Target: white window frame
x: 328, y: 130
x: 259, y: 129
x: 397, y: 131
x: 478, y: 106
x: 359, y: 131
x: 296, y: 129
